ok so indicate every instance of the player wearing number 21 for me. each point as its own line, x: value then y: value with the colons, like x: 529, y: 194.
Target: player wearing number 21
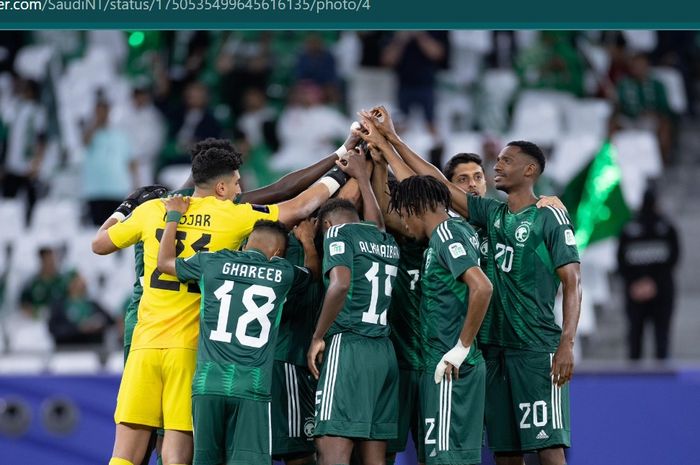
x: 156, y: 386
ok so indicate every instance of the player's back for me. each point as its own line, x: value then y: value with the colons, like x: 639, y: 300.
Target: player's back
x: 242, y: 298
x: 373, y: 257
x: 167, y: 314
x: 404, y: 311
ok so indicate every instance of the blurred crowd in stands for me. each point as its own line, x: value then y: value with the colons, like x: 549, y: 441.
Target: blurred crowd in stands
x: 87, y: 116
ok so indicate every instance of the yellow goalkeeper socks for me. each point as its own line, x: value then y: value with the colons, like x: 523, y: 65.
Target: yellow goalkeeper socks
x: 118, y: 461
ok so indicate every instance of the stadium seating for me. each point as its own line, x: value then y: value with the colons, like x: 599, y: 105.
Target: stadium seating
x: 675, y: 91
x: 74, y: 363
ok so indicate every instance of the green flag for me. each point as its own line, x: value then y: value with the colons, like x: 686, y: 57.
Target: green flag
x: 595, y: 200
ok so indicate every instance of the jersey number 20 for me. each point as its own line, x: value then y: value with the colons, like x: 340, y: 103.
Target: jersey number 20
x: 254, y: 312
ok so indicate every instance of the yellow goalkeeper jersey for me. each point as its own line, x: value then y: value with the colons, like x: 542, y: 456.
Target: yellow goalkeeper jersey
x: 168, y: 314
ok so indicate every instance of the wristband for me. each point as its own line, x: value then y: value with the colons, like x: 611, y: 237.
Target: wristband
x: 342, y: 151
x: 173, y: 216
x: 119, y: 216
x: 330, y: 183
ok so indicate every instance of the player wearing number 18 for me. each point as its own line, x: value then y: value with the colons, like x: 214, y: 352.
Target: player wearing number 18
x: 155, y: 391
x: 242, y: 298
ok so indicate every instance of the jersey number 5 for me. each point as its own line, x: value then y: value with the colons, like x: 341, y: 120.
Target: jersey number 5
x: 254, y: 312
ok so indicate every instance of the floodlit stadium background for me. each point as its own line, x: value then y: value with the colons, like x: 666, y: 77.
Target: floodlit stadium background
x: 287, y: 99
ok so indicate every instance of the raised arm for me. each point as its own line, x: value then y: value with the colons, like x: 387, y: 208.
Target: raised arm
x: 380, y: 117
x: 102, y: 244
x: 305, y: 232
x: 332, y: 305
x: 175, y: 206
x: 380, y: 186
x: 355, y: 167
x: 294, y: 183
x: 563, y: 361
x: 480, y: 290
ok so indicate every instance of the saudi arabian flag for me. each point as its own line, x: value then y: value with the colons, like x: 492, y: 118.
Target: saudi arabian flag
x: 595, y: 200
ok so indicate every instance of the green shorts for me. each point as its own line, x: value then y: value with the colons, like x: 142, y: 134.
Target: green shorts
x: 525, y: 411
x: 357, y: 393
x: 230, y: 431
x: 453, y: 417
x: 293, y: 390
x: 409, y: 412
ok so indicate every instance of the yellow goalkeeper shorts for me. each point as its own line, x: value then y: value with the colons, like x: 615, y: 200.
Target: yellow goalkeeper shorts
x: 156, y: 389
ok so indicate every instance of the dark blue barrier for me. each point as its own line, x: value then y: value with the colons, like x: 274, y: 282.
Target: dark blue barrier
x: 647, y: 419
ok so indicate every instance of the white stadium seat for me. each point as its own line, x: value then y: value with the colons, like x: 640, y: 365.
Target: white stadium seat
x: 22, y: 364
x: 74, y: 363
x: 672, y: 80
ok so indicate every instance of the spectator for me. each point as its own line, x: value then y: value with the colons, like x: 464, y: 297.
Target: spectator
x: 145, y: 128
x: 308, y: 129
x: 417, y: 56
x: 643, y: 104
x: 76, y: 319
x: 552, y: 62
x: 244, y: 62
x: 43, y: 288
x: 317, y: 64
x: 647, y: 255
x: 194, y: 122
x: 25, y: 118
x: 109, y: 171
x: 258, y: 140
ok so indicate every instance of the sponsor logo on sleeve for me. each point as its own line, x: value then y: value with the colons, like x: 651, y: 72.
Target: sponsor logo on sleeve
x: 569, y: 237
x: 337, y: 248
x: 260, y: 208
x: 457, y: 250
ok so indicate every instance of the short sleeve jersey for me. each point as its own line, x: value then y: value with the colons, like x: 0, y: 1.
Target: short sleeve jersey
x: 373, y: 258
x: 404, y: 311
x: 526, y: 248
x: 131, y: 315
x: 242, y: 298
x: 167, y: 312
x: 453, y: 249
x: 299, y: 314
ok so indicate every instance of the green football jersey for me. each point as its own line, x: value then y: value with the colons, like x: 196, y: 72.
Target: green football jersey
x: 452, y: 250
x: 242, y: 298
x: 131, y: 314
x: 373, y: 258
x: 404, y: 310
x: 526, y: 248
x: 299, y: 314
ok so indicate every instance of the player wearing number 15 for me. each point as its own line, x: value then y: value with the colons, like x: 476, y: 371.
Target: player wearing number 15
x: 357, y: 394
x: 156, y: 385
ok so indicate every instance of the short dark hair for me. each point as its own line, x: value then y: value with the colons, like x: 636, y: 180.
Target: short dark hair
x: 274, y: 227
x: 528, y: 148
x: 459, y: 159
x: 213, y: 143
x: 212, y: 163
x: 418, y: 194
x: 333, y: 205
